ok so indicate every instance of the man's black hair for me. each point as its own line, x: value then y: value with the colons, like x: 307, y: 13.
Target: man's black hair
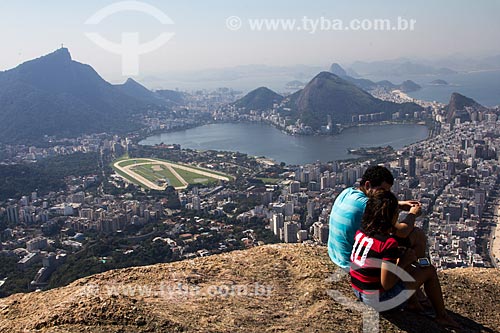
x: 376, y: 175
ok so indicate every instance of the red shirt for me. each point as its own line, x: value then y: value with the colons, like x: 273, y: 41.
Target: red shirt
x: 365, y: 272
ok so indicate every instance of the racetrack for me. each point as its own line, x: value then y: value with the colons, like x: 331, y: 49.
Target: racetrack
x: 128, y: 170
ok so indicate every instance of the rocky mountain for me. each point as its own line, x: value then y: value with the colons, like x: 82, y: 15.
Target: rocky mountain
x: 136, y: 90
x: 462, y: 107
x: 329, y: 95
x: 259, y: 99
x: 337, y: 70
x: 365, y: 84
x: 409, y: 86
x: 272, y: 288
x: 55, y: 95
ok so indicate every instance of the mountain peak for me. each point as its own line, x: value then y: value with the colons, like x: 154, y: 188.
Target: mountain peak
x: 131, y: 81
x: 259, y: 99
x: 136, y: 90
x: 328, y: 76
x: 55, y: 95
x: 53, y: 60
x: 462, y: 107
x: 337, y: 70
x: 460, y: 102
x: 61, y: 54
x: 455, y: 96
x: 328, y: 95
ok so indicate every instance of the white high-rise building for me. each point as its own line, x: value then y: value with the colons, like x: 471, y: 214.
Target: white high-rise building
x: 277, y: 222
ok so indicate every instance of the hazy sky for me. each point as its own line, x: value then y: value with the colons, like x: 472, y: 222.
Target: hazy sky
x: 30, y: 28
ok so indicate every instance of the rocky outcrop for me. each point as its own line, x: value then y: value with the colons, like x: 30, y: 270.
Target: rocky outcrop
x: 274, y: 288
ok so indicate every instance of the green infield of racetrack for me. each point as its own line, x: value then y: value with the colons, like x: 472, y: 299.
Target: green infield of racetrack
x: 146, y: 171
x: 194, y: 178
x: 130, y: 179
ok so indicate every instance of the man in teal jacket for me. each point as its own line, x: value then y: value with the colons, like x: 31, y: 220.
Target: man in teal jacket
x: 348, y: 209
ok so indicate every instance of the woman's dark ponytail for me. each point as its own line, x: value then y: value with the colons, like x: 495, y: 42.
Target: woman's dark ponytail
x: 380, y: 211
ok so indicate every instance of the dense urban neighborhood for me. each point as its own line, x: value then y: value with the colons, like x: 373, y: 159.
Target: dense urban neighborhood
x: 81, y: 216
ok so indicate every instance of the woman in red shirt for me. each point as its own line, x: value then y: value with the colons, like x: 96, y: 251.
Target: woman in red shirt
x: 378, y: 264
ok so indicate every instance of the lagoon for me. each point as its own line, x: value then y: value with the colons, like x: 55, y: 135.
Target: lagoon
x: 263, y: 140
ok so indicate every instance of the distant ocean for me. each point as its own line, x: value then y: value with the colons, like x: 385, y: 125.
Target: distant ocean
x: 483, y: 87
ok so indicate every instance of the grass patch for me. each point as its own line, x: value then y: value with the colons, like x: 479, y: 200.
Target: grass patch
x: 153, y: 176
x: 144, y: 172
x: 194, y: 178
x: 172, y: 180
x: 130, y: 179
x: 206, y: 170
